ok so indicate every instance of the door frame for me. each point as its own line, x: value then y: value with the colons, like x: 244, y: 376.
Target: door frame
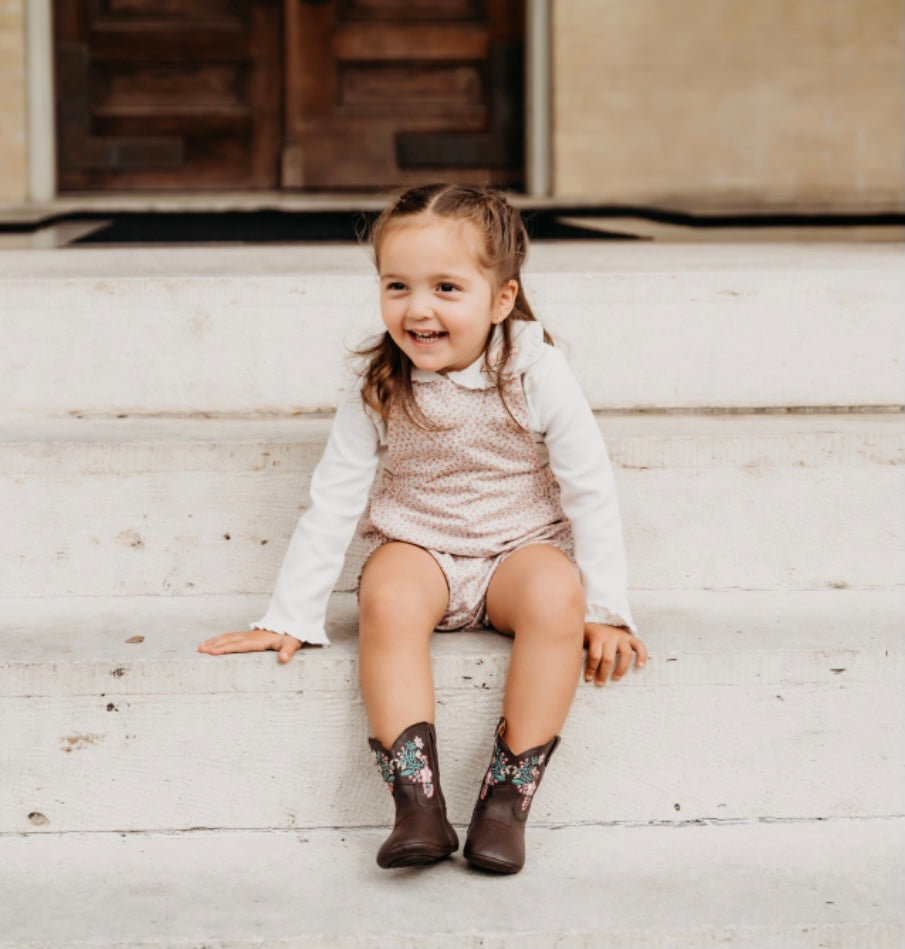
x: 538, y: 99
x: 42, y: 134
x: 41, y: 109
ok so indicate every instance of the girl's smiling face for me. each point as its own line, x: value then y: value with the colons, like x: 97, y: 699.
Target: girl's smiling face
x: 437, y: 300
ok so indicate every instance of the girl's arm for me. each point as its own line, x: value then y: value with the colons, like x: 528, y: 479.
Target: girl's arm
x: 339, y: 492
x: 581, y: 465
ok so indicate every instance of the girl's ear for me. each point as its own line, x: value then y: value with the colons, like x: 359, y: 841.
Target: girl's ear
x: 505, y: 300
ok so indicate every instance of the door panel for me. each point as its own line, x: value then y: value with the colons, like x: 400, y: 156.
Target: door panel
x: 165, y: 94
x: 385, y: 93
x: 315, y: 94
x: 192, y: 12
x: 368, y: 85
x: 402, y: 10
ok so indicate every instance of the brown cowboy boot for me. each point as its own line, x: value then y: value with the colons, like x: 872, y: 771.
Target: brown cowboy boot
x: 496, y: 834
x: 421, y: 833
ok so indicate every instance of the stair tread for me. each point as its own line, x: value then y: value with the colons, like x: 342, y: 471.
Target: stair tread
x: 660, y: 439
x: 759, y: 885
x: 72, y: 645
x: 129, y: 263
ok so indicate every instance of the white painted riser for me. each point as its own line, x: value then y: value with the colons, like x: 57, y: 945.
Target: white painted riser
x: 754, y: 706
x: 231, y: 330
x: 146, y: 508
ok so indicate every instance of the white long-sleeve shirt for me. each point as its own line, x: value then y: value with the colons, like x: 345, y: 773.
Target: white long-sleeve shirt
x: 568, y: 439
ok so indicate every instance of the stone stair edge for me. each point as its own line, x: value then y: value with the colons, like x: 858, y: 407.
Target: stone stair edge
x: 342, y: 259
x: 647, y: 439
x: 140, y: 645
x: 355, y: 295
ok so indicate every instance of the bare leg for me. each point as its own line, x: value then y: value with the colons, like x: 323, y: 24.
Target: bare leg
x: 536, y: 597
x: 402, y: 597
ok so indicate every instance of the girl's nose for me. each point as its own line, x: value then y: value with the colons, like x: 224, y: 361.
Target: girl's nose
x: 420, y: 306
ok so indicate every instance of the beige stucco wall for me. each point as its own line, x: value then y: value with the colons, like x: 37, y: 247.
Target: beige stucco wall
x: 13, y: 157
x: 730, y: 103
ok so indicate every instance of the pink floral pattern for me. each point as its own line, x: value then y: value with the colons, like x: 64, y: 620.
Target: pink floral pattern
x: 471, y: 488
x: 471, y: 492
x: 524, y: 775
x: 409, y: 762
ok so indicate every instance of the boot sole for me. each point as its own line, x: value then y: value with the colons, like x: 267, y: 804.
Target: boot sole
x: 415, y: 858
x: 491, y: 865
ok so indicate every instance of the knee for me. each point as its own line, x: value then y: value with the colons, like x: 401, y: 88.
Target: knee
x: 554, y: 604
x: 388, y: 623
x: 395, y: 603
x: 381, y: 604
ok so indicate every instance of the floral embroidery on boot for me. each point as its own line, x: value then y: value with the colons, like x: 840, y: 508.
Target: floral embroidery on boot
x: 412, y: 764
x: 409, y: 762
x: 525, y: 777
x: 386, y: 768
x: 524, y: 774
x: 497, y: 772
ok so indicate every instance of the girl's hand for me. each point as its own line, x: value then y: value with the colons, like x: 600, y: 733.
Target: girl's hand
x: 611, y: 649
x: 254, y: 640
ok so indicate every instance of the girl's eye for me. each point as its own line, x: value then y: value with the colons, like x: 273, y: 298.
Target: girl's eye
x: 447, y: 288
x: 395, y: 285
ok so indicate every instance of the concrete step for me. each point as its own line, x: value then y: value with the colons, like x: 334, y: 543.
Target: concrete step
x: 264, y: 329
x: 754, y: 706
x: 146, y: 507
x: 809, y: 885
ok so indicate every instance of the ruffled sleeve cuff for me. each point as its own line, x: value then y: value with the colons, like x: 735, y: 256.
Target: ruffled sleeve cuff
x: 597, y: 613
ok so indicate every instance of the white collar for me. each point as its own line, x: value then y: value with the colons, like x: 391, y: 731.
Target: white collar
x: 527, y: 348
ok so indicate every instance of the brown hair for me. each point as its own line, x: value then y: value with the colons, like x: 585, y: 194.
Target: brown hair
x: 388, y: 371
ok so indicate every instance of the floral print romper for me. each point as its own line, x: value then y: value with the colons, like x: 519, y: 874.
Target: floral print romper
x: 470, y: 492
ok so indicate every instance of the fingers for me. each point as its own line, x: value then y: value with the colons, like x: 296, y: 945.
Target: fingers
x: 623, y: 663
x: 631, y: 649
x: 229, y: 642
x: 255, y: 640
x: 288, y: 648
x: 592, y: 663
x: 601, y: 658
x: 640, y: 651
x: 611, y: 652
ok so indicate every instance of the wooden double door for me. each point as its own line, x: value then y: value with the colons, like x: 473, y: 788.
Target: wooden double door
x: 302, y: 94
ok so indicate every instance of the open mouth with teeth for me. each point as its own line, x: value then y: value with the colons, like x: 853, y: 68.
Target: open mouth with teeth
x: 426, y: 337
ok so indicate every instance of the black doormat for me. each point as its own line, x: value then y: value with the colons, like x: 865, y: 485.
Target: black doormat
x: 291, y: 227
x: 282, y: 227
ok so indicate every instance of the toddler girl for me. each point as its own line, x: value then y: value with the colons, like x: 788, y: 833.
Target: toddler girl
x: 495, y: 506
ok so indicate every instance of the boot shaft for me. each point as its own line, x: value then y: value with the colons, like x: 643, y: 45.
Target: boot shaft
x: 410, y: 767
x: 512, y: 780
